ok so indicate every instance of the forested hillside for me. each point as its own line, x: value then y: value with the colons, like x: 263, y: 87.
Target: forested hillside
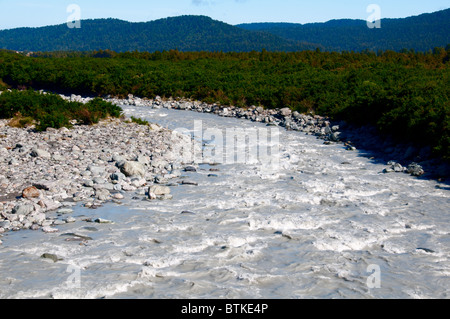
x: 185, y: 33
x: 420, y: 33
x: 200, y: 33
x: 405, y: 94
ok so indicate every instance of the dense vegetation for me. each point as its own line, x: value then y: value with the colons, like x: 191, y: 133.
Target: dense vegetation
x: 419, y: 33
x: 185, y: 33
x: 200, y: 33
x: 50, y: 110
x: 404, y: 94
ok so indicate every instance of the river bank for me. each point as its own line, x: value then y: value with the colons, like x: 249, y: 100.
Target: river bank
x: 56, y: 169
x: 89, y: 165
x: 399, y: 157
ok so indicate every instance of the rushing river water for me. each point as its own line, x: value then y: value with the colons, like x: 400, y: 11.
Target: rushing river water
x: 325, y: 224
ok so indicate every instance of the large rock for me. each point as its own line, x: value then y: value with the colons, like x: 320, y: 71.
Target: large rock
x: 159, y: 190
x: 286, y: 111
x: 415, y: 169
x: 23, y: 209
x: 133, y: 169
x: 31, y: 192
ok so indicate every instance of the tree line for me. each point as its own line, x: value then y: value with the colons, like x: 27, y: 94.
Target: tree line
x: 405, y: 94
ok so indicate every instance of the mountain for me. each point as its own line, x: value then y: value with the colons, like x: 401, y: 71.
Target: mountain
x: 420, y: 33
x: 200, y: 33
x: 185, y: 33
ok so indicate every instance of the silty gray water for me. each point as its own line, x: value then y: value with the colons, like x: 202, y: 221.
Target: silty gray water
x: 326, y: 224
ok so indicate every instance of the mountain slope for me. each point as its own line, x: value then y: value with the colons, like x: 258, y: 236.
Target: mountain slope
x: 420, y: 33
x: 185, y: 33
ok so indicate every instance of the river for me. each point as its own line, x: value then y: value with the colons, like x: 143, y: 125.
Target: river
x: 326, y: 223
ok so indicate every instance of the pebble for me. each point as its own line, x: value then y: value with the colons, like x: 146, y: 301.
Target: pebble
x: 52, y: 257
x: 49, y: 230
x: 103, y: 221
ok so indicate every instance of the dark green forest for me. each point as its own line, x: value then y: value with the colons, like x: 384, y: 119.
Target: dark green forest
x: 404, y: 94
x: 419, y: 33
x: 200, y: 33
x: 185, y: 33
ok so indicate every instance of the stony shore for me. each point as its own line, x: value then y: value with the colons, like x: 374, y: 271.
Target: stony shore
x: 398, y: 158
x: 54, y: 170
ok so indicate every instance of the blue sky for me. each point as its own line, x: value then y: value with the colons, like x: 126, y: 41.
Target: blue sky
x: 28, y: 13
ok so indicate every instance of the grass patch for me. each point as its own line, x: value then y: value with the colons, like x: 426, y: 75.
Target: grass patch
x: 139, y: 121
x: 20, y: 121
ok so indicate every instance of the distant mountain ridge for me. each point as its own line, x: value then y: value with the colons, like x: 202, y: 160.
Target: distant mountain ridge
x: 185, y: 33
x: 421, y: 33
x: 200, y: 33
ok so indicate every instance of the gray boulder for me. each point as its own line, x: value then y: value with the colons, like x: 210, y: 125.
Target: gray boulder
x: 159, y: 190
x: 415, y: 169
x: 23, y: 209
x: 133, y: 169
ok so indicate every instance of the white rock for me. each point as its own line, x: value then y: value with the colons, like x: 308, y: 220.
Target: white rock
x: 49, y: 230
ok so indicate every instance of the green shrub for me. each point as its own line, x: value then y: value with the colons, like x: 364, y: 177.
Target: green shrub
x: 139, y: 121
x: 50, y: 110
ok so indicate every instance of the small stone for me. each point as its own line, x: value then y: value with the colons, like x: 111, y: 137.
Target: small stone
x: 31, y: 192
x: 69, y: 220
x: 285, y: 111
x: 190, y: 169
x: 118, y: 196
x: 65, y: 211
x: 96, y: 170
x: 102, y: 221
x: 36, y: 152
x: 117, y: 176
x: 102, y: 194
x: 49, y: 204
x: 189, y: 183
x: 53, y: 257
x: 427, y: 250
x: 49, y: 230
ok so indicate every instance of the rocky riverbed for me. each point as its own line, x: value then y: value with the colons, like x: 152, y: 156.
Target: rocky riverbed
x: 398, y: 157
x: 54, y: 170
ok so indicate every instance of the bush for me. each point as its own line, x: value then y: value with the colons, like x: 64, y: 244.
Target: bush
x: 139, y: 121
x: 50, y: 110
x: 54, y: 121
